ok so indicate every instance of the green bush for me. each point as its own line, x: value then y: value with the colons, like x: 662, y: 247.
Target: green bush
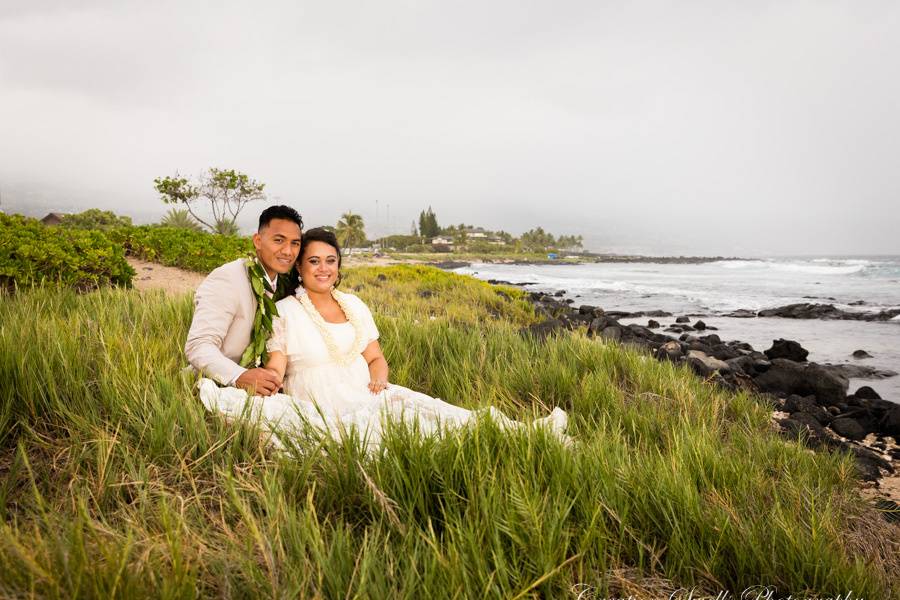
x: 32, y: 252
x: 400, y: 242
x: 180, y: 247
x: 94, y: 218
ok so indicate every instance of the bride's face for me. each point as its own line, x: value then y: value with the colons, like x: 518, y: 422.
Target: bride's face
x: 319, y: 267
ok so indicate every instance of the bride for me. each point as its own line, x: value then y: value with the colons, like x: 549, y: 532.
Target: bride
x: 324, y: 346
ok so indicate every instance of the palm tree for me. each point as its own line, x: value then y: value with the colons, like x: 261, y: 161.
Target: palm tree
x: 180, y: 218
x: 227, y: 226
x: 350, y: 230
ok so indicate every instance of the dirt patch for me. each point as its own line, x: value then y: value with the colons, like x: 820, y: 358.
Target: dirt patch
x: 154, y: 276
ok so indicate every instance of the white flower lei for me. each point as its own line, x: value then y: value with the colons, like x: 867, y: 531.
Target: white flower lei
x: 359, y: 342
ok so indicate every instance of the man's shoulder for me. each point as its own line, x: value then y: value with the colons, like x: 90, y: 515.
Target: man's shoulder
x: 231, y: 271
x: 230, y: 275
x: 235, y: 267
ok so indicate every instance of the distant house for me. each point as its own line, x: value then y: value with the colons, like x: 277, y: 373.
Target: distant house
x: 442, y: 244
x: 476, y: 233
x: 53, y: 218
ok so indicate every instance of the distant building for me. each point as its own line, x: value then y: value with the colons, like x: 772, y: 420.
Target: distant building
x: 442, y: 244
x: 53, y: 218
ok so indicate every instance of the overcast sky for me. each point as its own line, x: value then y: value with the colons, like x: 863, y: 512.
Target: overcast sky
x: 740, y: 128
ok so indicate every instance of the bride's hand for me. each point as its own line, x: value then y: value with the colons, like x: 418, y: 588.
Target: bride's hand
x: 377, y: 385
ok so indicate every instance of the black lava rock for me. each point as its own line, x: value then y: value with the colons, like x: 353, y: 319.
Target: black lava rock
x: 867, y: 393
x: 789, y: 377
x: 788, y: 349
x: 849, y: 428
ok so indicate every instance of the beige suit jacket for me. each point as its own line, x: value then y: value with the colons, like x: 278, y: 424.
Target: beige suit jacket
x: 224, y: 309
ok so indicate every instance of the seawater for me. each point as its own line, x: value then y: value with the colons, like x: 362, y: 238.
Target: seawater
x: 714, y: 289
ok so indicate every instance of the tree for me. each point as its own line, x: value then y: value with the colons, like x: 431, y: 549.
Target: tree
x: 181, y: 219
x: 428, y: 225
x: 413, y: 230
x: 350, y: 230
x: 571, y: 242
x: 227, y: 191
x: 399, y: 242
x: 537, y: 239
x: 94, y: 218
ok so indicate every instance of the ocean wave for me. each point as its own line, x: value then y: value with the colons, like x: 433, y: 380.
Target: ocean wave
x: 795, y: 267
x: 847, y: 261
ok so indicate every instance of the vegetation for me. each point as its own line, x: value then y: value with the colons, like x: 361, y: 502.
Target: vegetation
x: 350, y: 231
x: 225, y: 190
x: 537, y: 239
x: 183, y: 248
x: 428, y: 225
x: 94, y: 218
x: 476, y: 240
x: 226, y: 227
x: 115, y: 482
x: 181, y: 219
x: 32, y: 253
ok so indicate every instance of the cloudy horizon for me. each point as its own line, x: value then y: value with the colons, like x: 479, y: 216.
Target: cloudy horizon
x: 717, y: 128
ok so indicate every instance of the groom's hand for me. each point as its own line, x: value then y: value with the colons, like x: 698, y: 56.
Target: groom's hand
x: 264, y: 382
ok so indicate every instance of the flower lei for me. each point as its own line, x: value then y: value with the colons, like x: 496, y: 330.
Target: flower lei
x: 256, y: 353
x: 359, y: 341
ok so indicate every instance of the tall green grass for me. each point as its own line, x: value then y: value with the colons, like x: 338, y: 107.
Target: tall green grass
x: 114, y: 482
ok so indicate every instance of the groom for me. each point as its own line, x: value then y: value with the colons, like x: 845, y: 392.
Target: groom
x: 225, y: 307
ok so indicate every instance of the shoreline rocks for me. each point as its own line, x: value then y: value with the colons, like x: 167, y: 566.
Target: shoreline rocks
x: 805, y: 310
x: 813, y: 397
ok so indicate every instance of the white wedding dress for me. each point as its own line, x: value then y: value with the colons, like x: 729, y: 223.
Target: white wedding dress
x: 333, y: 397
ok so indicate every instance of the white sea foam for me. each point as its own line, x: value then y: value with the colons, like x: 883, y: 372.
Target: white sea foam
x: 846, y: 268
x: 846, y: 261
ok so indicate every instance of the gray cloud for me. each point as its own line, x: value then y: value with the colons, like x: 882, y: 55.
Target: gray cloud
x: 708, y: 127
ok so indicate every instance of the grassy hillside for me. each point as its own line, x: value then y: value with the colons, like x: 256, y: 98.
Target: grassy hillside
x: 114, y: 482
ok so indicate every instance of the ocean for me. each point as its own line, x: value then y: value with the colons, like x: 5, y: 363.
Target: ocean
x: 711, y: 290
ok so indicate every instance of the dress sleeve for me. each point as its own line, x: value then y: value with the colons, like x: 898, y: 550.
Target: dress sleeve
x: 368, y: 323
x: 278, y: 341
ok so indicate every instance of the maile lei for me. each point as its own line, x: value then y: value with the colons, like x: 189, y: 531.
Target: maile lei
x: 256, y: 354
x: 359, y: 341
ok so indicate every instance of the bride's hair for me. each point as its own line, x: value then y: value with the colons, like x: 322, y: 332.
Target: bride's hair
x: 320, y: 234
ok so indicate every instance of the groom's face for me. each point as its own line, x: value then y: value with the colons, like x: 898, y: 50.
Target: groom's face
x: 277, y: 245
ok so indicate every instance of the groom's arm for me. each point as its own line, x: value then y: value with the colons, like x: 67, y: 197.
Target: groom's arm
x: 215, y: 306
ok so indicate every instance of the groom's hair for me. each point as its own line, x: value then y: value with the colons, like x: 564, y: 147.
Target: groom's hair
x: 280, y: 211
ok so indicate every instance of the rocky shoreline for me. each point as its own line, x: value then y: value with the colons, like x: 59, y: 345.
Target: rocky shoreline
x: 807, y: 399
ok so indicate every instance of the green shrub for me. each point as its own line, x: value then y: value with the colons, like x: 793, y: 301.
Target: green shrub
x: 31, y: 252
x: 180, y: 247
x: 180, y: 218
x: 94, y: 218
